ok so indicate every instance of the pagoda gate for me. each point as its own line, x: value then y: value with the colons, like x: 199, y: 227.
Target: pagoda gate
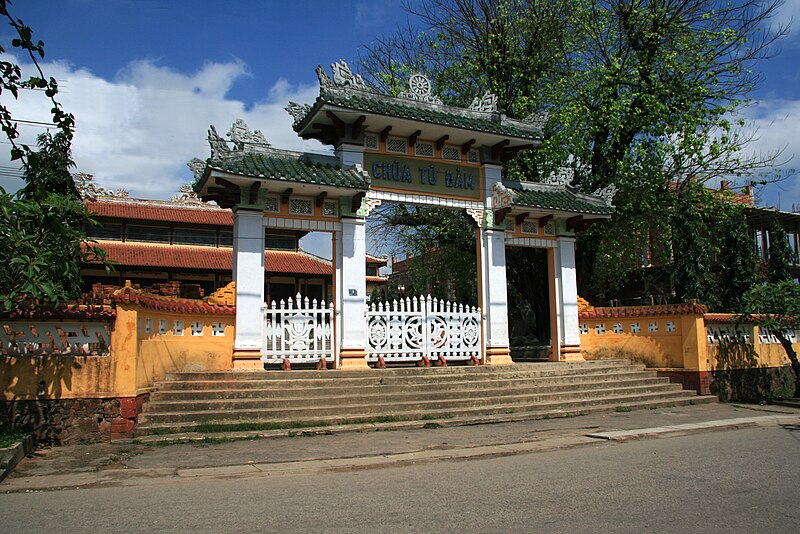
x: 410, y: 149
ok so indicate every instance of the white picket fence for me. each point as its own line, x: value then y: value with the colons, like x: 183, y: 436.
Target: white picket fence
x: 43, y: 338
x: 298, y: 329
x: 405, y: 330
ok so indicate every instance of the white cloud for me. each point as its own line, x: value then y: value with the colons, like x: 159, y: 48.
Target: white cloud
x: 777, y: 128
x: 138, y: 130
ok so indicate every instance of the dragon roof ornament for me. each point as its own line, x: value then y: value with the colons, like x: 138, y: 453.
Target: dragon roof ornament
x: 298, y: 111
x: 88, y: 190
x: 243, y: 139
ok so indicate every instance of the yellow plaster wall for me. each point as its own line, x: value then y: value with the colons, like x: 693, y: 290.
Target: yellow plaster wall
x: 686, y: 348
x: 136, y: 360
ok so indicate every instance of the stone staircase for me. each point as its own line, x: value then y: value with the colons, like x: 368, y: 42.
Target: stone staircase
x: 468, y: 394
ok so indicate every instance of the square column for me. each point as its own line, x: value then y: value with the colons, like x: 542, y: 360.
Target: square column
x: 566, y: 338
x: 494, y: 296
x: 248, y: 273
x: 351, y: 293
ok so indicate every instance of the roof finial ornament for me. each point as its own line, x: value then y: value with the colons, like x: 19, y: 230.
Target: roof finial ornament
x: 89, y: 190
x: 240, y: 134
x: 419, y: 88
x: 219, y: 146
x: 538, y: 119
x: 324, y: 79
x: 298, y: 111
x: 343, y: 76
x: 488, y: 102
x: 197, y: 166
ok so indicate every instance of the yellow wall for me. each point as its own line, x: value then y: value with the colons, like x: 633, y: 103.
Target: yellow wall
x: 136, y: 360
x: 686, y: 347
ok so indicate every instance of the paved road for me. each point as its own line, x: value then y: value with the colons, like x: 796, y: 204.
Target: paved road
x: 734, y: 481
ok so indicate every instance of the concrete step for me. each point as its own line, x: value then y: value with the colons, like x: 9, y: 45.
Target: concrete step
x: 277, y: 431
x: 305, y: 379
x: 450, y: 389
x: 249, y: 409
x: 508, y: 412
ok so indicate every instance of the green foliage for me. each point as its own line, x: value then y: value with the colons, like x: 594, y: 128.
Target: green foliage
x: 42, y: 241
x: 691, y: 250
x: 775, y: 306
x: 738, y: 260
x: 780, y: 253
x: 640, y: 95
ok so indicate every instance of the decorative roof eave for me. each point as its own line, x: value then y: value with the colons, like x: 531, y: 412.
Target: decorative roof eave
x: 496, y: 125
x: 689, y: 308
x: 559, y: 198
x: 348, y: 93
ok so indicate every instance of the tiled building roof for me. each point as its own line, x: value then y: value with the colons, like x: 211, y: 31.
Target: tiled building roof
x: 690, y: 308
x: 439, y: 114
x: 289, y: 166
x: 558, y: 199
x: 151, y: 211
x: 198, y: 258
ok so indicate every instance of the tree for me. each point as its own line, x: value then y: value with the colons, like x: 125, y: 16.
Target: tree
x: 776, y: 307
x: 737, y: 258
x: 691, y: 249
x: 780, y: 253
x: 42, y: 241
x: 640, y: 94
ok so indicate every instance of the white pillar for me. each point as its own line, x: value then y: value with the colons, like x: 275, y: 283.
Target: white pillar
x: 494, y: 296
x: 351, y: 293
x: 566, y: 298
x: 248, y: 250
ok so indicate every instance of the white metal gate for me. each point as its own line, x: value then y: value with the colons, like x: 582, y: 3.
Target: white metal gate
x: 298, y: 329
x: 408, y: 329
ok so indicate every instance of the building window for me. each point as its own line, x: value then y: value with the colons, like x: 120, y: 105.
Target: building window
x: 330, y: 208
x: 473, y: 156
x: 617, y: 328
x: 424, y: 150
x: 510, y: 224
x: 636, y: 328
x: 217, y: 329
x: 452, y: 153
x: 670, y: 326
x: 194, y: 236
x: 530, y: 227
x: 652, y: 327
x: 272, y: 204
x: 156, y: 234
x: 148, y: 326
x: 397, y: 145
x: 225, y: 238
x: 550, y: 228
x: 177, y: 329
x: 301, y: 206
x: 280, y: 242
x: 162, y: 326
x: 584, y: 329
x: 105, y: 231
x: 371, y: 142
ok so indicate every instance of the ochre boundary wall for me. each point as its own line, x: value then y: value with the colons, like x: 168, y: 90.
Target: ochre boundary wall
x: 76, y: 398
x: 690, y: 346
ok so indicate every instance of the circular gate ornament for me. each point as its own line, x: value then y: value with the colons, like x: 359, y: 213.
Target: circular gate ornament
x: 419, y: 88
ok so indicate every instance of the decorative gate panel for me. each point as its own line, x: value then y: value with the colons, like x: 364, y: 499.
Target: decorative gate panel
x: 408, y: 329
x: 299, y: 330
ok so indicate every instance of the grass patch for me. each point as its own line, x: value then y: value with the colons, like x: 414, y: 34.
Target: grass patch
x: 623, y: 409
x: 10, y: 437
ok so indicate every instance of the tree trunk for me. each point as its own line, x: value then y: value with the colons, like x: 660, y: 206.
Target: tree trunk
x: 790, y: 352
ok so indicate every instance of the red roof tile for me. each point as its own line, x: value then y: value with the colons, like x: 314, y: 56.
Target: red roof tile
x: 644, y: 311
x: 164, y: 213
x: 189, y: 257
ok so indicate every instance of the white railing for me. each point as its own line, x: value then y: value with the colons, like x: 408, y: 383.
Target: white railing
x: 40, y: 338
x: 298, y: 329
x: 408, y: 329
x: 734, y: 333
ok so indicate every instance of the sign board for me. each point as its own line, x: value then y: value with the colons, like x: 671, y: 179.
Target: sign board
x: 425, y: 177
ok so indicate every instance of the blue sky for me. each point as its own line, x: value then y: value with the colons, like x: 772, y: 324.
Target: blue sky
x: 145, y: 78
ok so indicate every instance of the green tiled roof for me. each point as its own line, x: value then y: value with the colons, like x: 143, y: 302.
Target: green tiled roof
x: 433, y: 114
x: 558, y: 200
x: 290, y: 169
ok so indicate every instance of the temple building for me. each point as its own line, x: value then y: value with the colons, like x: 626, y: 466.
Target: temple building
x: 186, y: 240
